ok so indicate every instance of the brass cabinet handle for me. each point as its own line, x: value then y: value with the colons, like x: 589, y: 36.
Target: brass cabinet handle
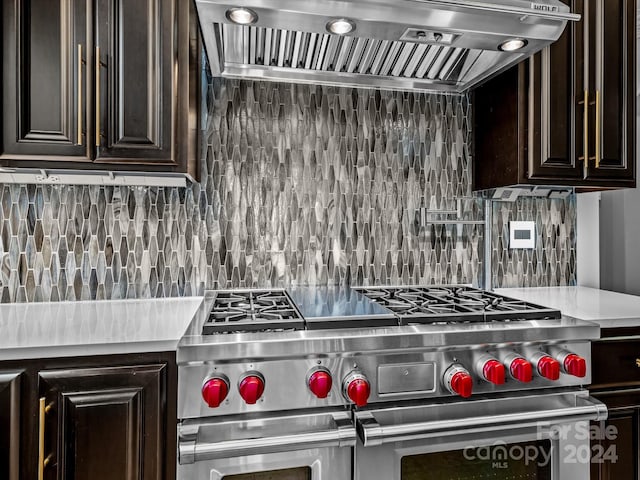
x: 638, y: 362
x: 97, y: 96
x: 586, y: 133
x: 41, y: 440
x: 79, y: 142
x: 42, y: 461
x: 598, y: 128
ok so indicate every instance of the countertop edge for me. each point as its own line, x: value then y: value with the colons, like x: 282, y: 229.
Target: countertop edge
x: 86, y: 350
x: 606, y: 320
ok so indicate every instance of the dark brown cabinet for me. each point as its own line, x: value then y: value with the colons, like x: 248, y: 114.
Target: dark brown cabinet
x: 100, y: 84
x: 40, y: 89
x: 617, y: 458
x: 133, y: 53
x: 94, y: 414
x: 616, y: 382
x: 567, y: 116
x: 10, y: 424
x: 104, y: 418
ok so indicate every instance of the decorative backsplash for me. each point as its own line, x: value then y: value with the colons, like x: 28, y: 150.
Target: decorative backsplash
x: 301, y: 185
x: 553, y: 261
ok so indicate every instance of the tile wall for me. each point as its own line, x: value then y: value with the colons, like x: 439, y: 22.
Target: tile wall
x: 301, y: 185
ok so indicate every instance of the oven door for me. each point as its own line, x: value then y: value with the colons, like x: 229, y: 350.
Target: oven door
x: 538, y: 437
x: 309, y: 446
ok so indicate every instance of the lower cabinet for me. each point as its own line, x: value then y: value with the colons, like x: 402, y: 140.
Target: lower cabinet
x: 107, y: 418
x: 616, y: 451
x: 103, y: 423
x: 616, y: 383
x: 10, y: 424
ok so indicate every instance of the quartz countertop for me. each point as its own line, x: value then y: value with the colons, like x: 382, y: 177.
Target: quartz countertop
x: 67, y: 329
x: 608, y: 309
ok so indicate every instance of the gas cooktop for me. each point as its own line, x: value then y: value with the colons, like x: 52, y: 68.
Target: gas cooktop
x: 326, y: 308
x: 453, y: 304
x: 277, y: 350
x: 303, y: 308
x: 239, y: 311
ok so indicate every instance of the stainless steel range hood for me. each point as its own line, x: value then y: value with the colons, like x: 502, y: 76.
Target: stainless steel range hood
x: 439, y: 45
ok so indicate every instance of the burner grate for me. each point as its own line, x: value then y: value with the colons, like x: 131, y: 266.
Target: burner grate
x: 252, y: 311
x: 453, y: 304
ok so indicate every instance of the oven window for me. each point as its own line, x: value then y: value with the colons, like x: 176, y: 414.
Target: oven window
x: 522, y: 461
x: 303, y: 473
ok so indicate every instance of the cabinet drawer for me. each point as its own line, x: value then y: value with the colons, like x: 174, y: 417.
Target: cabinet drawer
x: 615, y: 363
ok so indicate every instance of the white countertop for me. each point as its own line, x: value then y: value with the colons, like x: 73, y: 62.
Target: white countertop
x: 609, y: 309
x: 64, y: 329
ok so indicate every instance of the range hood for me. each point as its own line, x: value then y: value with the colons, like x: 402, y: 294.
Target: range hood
x: 439, y: 45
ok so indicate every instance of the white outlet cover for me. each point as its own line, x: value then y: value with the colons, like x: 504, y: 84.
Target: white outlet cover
x: 522, y: 234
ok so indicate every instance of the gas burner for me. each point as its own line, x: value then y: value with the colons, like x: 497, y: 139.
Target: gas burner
x: 252, y: 311
x: 453, y: 304
x: 248, y: 330
x: 439, y: 291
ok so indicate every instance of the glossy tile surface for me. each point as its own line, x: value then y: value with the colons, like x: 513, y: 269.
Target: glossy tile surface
x: 553, y: 261
x: 301, y: 185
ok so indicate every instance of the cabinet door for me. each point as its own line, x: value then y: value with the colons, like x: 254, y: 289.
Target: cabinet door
x: 556, y: 90
x: 135, y: 92
x: 105, y: 423
x: 616, y: 455
x: 612, y: 47
x: 617, y: 459
x: 44, y: 80
x: 9, y: 425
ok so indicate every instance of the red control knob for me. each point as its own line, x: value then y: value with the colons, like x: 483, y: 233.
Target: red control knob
x: 358, y: 391
x: 493, y: 371
x: 521, y: 370
x: 215, y: 390
x: 575, y: 365
x: 462, y: 384
x: 549, y: 367
x: 458, y: 380
x: 320, y: 383
x: 251, y: 388
x: 356, y: 388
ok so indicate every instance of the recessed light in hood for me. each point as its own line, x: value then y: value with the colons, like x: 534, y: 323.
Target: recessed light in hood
x: 512, y: 45
x: 242, y: 16
x: 341, y: 26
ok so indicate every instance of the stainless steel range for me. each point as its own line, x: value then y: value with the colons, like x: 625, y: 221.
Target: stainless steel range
x: 383, y: 383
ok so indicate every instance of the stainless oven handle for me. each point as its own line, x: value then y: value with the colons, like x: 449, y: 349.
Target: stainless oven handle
x: 372, y: 433
x: 344, y: 435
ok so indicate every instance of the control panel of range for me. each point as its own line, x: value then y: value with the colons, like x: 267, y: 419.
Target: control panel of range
x: 361, y: 380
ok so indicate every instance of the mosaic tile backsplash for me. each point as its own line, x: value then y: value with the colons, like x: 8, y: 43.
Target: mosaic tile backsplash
x: 301, y: 185
x: 553, y: 261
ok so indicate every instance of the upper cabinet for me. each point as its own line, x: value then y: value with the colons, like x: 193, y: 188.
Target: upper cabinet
x: 42, y: 107
x: 567, y: 116
x: 100, y: 84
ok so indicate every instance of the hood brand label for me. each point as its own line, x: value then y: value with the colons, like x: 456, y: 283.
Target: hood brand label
x: 545, y: 8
